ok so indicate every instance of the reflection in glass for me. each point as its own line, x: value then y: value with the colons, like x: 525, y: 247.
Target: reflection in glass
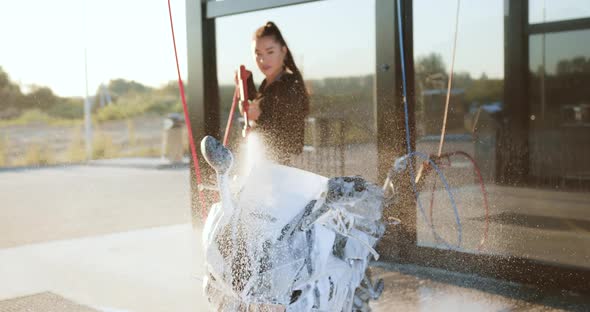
x: 560, y: 102
x: 475, y: 105
x: 541, y: 11
x: 338, y: 68
x: 546, y: 219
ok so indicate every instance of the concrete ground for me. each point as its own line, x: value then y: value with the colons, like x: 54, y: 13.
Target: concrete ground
x: 119, y: 239
x: 56, y: 203
x: 140, y: 270
x: 156, y: 270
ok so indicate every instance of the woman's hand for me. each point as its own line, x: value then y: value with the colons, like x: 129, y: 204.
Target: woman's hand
x: 241, y: 107
x: 254, y: 110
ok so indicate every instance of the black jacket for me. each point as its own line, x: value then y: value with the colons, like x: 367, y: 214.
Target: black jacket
x: 284, y: 105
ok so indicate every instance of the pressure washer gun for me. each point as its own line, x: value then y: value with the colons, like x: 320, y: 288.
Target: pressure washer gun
x: 243, y: 76
x: 401, y: 164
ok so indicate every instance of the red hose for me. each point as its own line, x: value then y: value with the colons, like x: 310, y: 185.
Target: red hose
x: 188, y: 122
x: 230, y: 119
x: 483, y: 190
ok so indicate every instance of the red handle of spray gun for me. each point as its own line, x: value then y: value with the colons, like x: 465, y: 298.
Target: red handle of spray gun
x: 243, y: 76
x: 240, y: 96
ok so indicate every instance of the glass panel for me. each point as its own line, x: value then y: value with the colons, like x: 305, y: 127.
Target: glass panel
x: 560, y: 110
x: 475, y: 103
x: 92, y: 226
x: 546, y: 219
x: 541, y: 11
x: 338, y: 68
x: 559, y: 104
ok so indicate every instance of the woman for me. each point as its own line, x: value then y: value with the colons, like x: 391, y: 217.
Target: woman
x: 280, y: 105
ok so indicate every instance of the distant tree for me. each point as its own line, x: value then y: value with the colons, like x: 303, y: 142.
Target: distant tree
x: 68, y: 108
x: 120, y: 87
x: 462, y: 80
x: 171, y: 88
x: 578, y: 64
x: 569, y: 84
x: 485, y: 90
x: 41, y: 98
x: 575, y: 65
x: 431, y: 71
x: 10, y: 92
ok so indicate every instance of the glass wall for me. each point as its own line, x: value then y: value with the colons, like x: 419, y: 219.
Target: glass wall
x: 546, y: 217
x: 558, y: 132
x: 475, y: 102
x: 337, y: 59
x: 559, y: 67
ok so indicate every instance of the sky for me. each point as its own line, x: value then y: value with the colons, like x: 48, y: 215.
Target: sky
x: 131, y: 39
x: 123, y: 38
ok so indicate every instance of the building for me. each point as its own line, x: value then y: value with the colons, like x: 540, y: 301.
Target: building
x: 523, y: 118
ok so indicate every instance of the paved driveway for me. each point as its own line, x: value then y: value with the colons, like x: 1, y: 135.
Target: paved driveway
x: 56, y: 203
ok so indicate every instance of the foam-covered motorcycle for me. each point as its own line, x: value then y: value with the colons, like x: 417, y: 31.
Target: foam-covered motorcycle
x: 284, y: 239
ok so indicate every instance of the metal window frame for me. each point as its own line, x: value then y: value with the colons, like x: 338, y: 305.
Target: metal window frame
x: 391, y: 139
x: 513, y: 163
x: 559, y: 26
x: 230, y: 7
x: 202, y: 93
